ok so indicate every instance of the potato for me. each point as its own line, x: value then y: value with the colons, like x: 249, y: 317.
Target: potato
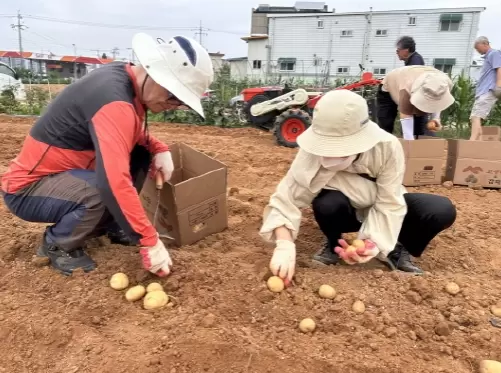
x: 119, y: 281
x: 327, y: 292
x: 351, y: 249
x: 275, y: 284
x: 432, y: 125
x: 307, y: 325
x: 135, y: 293
x: 359, y: 244
x: 452, y: 288
x: 490, y: 366
x: 358, y: 307
x: 154, y: 286
x: 155, y: 299
x: 496, y: 310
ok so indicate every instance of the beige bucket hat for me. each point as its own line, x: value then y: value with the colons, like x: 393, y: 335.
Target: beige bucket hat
x: 341, y: 126
x: 431, y: 92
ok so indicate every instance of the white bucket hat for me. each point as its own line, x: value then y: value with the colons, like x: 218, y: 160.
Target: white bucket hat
x: 341, y: 126
x: 181, y: 66
x: 431, y: 92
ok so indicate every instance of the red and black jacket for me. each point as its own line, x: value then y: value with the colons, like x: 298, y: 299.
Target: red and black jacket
x: 92, y: 124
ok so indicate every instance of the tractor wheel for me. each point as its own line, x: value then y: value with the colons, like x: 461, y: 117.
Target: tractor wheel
x: 289, y: 125
x: 260, y: 120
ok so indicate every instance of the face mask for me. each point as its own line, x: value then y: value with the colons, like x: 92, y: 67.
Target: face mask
x: 337, y: 163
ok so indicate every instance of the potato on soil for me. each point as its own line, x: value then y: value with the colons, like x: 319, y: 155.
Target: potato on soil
x: 358, y: 307
x: 275, y: 284
x: 490, y: 366
x: 327, y: 292
x: 154, y: 286
x: 155, y: 299
x: 496, y: 310
x: 307, y: 325
x: 135, y: 293
x: 119, y: 281
x: 452, y: 288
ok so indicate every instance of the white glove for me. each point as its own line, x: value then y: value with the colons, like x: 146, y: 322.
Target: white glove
x: 156, y: 259
x: 408, y: 128
x: 163, y: 162
x: 283, y: 262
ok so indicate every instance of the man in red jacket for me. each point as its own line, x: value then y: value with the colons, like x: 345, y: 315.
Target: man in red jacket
x: 84, y: 162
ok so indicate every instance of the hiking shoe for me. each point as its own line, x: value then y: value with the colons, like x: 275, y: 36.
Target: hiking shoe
x: 119, y: 237
x: 326, y: 255
x: 401, y: 260
x: 66, y: 261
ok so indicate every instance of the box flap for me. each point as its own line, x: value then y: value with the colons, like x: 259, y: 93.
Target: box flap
x: 198, y: 163
x: 424, y: 148
x: 485, y: 150
x: 199, y: 188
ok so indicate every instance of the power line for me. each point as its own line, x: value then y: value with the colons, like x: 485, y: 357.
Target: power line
x: 125, y: 26
x: 200, y: 32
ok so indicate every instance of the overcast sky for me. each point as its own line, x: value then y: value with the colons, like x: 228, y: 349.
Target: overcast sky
x: 227, y: 21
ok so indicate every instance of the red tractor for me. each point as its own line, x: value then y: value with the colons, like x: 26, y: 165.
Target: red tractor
x: 287, y: 113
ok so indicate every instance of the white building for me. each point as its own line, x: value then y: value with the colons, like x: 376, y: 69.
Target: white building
x: 332, y: 45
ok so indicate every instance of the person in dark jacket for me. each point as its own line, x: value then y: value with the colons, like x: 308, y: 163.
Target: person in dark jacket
x: 84, y: 162
x: 406, y: 51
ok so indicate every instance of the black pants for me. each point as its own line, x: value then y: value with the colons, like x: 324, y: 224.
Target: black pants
x: 387, y: 111
x: 427, y: 215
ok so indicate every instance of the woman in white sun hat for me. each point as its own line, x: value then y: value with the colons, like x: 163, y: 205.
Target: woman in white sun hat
x: 85, y: 160
x: 417, y: 94
x: 350, y: 171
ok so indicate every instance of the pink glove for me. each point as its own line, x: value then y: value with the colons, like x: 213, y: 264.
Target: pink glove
x: 162, y: 162
x: 359, y: 255
x: 156, y: 259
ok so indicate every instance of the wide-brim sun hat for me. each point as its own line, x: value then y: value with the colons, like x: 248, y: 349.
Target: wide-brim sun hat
x: 180, y: 65
x: 341, y: 126
x: 431, y: 92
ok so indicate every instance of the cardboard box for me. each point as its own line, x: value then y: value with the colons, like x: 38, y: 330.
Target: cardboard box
x: 490, y: 133
x: 424, y: 161
x: 474, y: 163
x: 193, y: 204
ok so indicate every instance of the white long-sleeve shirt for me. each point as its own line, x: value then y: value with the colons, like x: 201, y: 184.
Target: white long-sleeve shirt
x: 380, y: 205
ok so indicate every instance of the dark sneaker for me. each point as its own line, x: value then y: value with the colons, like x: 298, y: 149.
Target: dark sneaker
x: 119, y: 237
x: 66, y: 261
x: 401, y: 260
x: 326, y: 255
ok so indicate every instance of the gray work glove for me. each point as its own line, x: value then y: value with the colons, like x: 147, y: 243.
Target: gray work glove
x: 497, y: 92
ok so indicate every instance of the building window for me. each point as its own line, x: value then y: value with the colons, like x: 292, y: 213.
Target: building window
x: 343, y: 70
x: 256, y: 64
x: 286, y: 64
x: 347, y: 33
x: 320, y: 23
x: 450, y: 22
x: 381, y: 32
x: 379, y: 71
x: 412, y: 21
x: 444, y: 64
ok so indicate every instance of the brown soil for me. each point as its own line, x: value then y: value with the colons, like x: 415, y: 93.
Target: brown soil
x: 223, y: 319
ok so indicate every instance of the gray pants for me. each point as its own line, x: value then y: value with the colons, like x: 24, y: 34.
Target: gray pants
x: 72, y: 202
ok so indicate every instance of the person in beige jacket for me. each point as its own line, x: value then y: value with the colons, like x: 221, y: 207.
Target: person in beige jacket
x: 417, y: 94
x: 350, y: 171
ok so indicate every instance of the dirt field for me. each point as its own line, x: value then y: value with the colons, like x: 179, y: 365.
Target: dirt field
x: 54, y: 88
x: 223, y: 319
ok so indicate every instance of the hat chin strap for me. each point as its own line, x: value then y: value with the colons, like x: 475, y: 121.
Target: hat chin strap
x: 146, y: 131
